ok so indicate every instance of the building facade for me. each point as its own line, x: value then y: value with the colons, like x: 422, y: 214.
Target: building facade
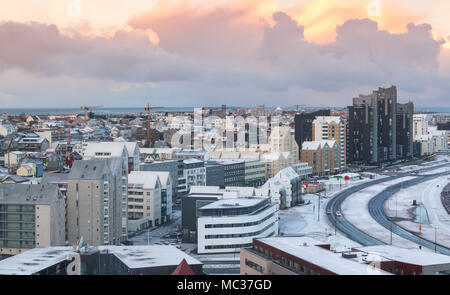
x: 31, y: 215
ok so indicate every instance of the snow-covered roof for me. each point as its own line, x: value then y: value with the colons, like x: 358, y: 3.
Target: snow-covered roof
x: 146, y: 178
x: 307, y: 250
x: 196, y: 189
x: 407, y: 255
x: 234, y: 203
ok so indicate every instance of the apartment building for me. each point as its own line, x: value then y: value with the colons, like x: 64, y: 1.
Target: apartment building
x: 94, y: 202
x: 144, y: 199
x: 166, y: 194
x: 323, y: 156
x: 194, y: 173
x: 332, y: 128
x: 228, y: 225
x: 303, y: 125
x: 31, y: 215
x: 108, y: 150
x: 298, y: 256
x: 373, y: 122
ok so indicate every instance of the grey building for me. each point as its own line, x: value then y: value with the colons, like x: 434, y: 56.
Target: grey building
x: 94, y: 202
x: 215, y: 174
x: 31, y: 215
x: 372, y: 134
x: 190, y: 205
x: 303, y: 126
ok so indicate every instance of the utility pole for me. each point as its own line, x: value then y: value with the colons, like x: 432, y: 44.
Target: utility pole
x: 391, y: 232
x: 318, y: 210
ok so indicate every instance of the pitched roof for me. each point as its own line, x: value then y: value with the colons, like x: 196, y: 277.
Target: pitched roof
x: 183, y: 269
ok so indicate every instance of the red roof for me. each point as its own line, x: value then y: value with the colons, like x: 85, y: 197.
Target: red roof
x: 183, y: 269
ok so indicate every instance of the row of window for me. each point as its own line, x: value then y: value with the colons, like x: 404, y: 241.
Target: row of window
x: 239, y: 224
x: 227, y: 236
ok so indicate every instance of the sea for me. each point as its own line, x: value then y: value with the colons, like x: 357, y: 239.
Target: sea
x: 138, y: 110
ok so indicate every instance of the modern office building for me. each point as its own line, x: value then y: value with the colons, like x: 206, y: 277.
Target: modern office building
x: 215, y: 174
x: 228, y: 225
x: 31, y: 215
x: 166, y: 194
x: 190, y: 205
x: 255, y: 173
x: 303, y: 125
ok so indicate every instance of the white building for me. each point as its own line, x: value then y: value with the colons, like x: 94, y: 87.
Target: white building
x: 440, y: 139
x: 194, y: 173
x: 166, y: 194
x: 144, y: 199
x: 228, y: 225
x: 7, y: 128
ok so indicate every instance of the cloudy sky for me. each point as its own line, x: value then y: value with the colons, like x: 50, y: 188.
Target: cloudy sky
x: 65, y: 53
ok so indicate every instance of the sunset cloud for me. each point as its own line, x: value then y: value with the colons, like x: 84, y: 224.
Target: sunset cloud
x: 238, y: 52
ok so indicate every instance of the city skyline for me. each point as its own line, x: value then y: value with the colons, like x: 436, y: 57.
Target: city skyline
x: 246, y: 53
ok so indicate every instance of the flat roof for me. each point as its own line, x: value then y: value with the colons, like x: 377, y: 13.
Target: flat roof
x: 234, y: 203
x: 135, y: 257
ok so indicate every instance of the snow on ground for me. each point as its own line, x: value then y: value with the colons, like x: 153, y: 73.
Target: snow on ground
x: 400, y: 208
x: 355, y: 210
x: 303, y: 220
x: 435, y: 171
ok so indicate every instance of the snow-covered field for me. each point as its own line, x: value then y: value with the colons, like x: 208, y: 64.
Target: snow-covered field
x: 303, y: 220
x: 355, y: 210
x: 400, y: 207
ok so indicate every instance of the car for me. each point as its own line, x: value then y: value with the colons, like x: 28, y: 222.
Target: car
x: 328, y: 212
x: 338, y: 214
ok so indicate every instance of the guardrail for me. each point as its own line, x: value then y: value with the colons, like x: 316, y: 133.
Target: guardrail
x: 445, y: 197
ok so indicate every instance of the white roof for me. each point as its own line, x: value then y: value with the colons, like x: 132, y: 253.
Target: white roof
x: 410, y: 256
x: 164, y: 176
x: 234, y: 203
x: 37, y: 259
x: 318, y: 256
x: 149, y: 256
x: 327, y: 119
x: 147, y: 178
x: 197, y: 189
x: 115, y: 148
x: 33, y: 260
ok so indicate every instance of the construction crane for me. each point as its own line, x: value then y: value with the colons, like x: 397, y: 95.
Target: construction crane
x: 69, y: 119
x: 148, y: 109
x: 87, y: 108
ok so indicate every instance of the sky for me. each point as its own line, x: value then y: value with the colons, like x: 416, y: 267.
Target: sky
x: 66, y: 53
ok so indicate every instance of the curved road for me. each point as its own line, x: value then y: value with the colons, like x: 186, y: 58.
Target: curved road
x: 353, y: 232
x: 377, y: 212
